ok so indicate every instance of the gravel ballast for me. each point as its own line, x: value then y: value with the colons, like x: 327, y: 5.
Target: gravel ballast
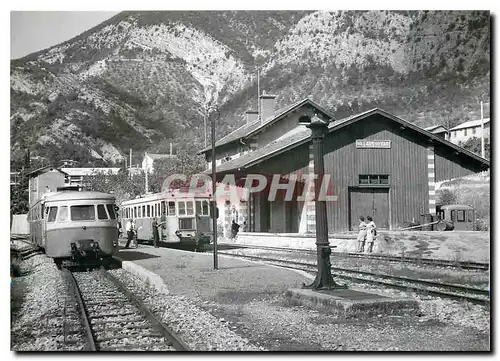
x: 242, y: 307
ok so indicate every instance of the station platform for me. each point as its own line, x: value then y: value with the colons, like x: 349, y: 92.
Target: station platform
x: 193, y: 275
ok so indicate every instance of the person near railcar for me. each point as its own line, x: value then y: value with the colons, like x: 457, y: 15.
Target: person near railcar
x: 156, y: 232
x: 371, y: 234
x: 130, y: 232
x: 361, y: 234
x: 235, y: 227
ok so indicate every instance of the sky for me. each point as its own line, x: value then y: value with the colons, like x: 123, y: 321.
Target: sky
x: 31, y: 31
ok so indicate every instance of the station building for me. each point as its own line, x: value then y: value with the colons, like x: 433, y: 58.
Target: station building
x: 379, y: 165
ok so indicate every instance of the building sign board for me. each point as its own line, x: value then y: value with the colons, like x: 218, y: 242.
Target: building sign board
x: 373, y: 144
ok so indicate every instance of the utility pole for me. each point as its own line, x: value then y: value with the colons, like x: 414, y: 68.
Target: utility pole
x: 147, y: 171
x: 482, y: 132
x: 258, y: 92
x: 130, y: 164
x: 214, y: 179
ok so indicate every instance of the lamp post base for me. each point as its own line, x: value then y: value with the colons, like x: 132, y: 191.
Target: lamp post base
x: 324, y: 279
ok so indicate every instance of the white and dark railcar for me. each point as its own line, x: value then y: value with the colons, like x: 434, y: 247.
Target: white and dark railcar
x: 185, y: 217
x: 75, y: 228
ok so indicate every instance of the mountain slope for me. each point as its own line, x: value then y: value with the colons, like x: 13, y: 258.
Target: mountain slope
x: 141, y: 78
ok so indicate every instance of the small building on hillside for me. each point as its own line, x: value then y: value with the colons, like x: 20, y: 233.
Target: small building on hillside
x: 439, y: 130
x: 75, y: 176
x: 150, y: 158
x: 377, y: 163
x: 463, y: 132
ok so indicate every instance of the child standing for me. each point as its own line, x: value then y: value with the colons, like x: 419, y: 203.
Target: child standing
x: 371, y: 234
x: 361, y: 234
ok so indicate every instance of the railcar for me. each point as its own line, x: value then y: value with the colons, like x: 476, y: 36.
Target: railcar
x: 456, y: 217
x: 185, y: 217
x: 75, y: 228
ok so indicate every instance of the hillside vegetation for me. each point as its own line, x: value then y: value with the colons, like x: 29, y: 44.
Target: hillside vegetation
x: 141, y: 78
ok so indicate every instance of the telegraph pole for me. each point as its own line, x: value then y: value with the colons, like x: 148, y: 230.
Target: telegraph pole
x: 482, y: 132
x: 214, y: 180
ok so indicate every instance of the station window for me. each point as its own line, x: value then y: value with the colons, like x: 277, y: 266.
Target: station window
x: 171, y: 208
x: 465, y: 132
x: 461, y: 216
x: 101, y: 212
x: 473, y: 131
x: 52, y: 214
x: 63, y: 214
x: 366, y: 179
x: 82, y: 213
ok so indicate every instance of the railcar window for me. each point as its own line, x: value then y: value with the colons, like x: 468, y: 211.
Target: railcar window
x: 143, y: 214
x: 52, y: 214
x: 202, y: 208
x: 171, y: 208
x: 205, y: 208
x: 101, y: 212
x: 148, y: 211
x: 190, y: 208
x: 182, y: 208
x: 163, y: 210
x: 186, y: 223
x: 135, y: 212
x: 83, y: 213
x: 63, y: 214
x: 198, y: 207
x: 461, y: 216
x: 111, y: 211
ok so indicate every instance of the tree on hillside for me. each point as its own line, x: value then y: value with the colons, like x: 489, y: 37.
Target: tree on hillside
x: 474, y: 145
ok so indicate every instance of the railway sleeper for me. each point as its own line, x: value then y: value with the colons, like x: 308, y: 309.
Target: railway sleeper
x: 113, y: 314
x: 128, y: 336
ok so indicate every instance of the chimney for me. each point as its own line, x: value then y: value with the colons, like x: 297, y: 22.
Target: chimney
x: 267, y: 104
x: 251, y: 116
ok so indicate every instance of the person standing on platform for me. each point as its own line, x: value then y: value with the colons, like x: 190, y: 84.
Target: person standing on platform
x: 235, y: 227
x: 156, y: 233
x: 371, y: 234
x: 361, y: 234
x: 130, y: 232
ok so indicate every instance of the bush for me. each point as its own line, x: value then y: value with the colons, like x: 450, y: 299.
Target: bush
x: 447, y: 196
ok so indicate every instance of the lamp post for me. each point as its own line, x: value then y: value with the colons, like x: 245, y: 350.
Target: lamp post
x: 324, y: 279
x: 213, y: 116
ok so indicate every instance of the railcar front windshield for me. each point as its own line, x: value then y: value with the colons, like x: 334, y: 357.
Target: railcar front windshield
x: 83, y: 213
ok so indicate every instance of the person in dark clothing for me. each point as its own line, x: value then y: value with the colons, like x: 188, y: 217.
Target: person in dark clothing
x: 235, y: 227
x: 156, y: 233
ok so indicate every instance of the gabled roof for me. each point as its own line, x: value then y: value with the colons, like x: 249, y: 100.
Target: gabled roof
x: 256, y: 126
x: 471, y: 123
x: 43, y: 170
x: 298, y: 138
x: 435, y: 127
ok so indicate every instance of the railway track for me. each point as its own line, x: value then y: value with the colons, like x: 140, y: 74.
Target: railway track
x: 113, y: 319
x: 382, y: 257
x: 457, y: 292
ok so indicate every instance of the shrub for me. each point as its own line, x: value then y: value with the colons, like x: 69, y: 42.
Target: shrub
x: 447, y: 196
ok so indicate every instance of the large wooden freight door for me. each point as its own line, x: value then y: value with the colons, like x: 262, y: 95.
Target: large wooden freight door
x: 369, y: 202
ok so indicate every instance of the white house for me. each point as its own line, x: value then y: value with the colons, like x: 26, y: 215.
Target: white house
x: 150, y: 158
x: 470, y: 129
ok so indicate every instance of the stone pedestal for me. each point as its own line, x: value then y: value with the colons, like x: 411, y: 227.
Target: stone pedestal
x: 351, y: 303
